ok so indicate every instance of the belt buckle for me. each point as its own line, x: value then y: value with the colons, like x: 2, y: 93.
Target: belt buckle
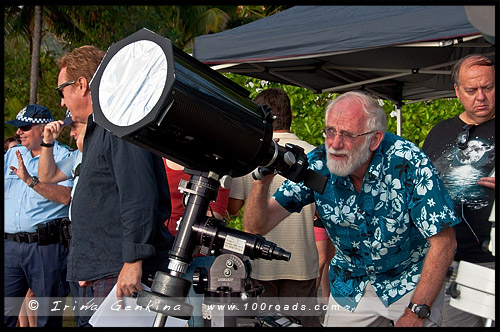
x: 21, y: 237
x: 32, y: 237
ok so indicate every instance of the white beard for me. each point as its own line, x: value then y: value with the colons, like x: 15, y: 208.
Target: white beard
x: 353, y: 162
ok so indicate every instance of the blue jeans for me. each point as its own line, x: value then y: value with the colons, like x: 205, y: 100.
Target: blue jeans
x: 41, y: 268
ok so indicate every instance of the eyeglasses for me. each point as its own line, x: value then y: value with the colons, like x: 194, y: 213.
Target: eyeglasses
x: 463, y: 137
x: 26, y: 128
x: 344, y: 136
x: 60, y: 87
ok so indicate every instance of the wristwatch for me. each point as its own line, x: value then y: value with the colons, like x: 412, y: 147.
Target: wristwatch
x: 34, y: 181
x: 421, y: 310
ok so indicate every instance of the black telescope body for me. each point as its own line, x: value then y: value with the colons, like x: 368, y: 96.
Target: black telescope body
x: 154, y: 95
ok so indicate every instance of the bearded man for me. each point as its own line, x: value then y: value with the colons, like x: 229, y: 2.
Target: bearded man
x: 386, y: 211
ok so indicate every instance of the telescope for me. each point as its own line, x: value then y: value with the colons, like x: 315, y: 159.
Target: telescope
x: 156, y: 96
x: 148, y: 92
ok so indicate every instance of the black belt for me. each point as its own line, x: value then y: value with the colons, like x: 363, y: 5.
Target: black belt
x: 22, y: 237
x: 50, y: 232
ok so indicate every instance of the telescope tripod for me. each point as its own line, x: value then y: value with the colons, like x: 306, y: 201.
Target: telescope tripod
x: 170, y: 290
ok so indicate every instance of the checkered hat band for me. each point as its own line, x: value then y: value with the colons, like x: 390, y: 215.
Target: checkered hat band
x: 33, y: 120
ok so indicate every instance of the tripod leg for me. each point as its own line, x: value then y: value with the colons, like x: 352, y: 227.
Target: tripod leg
x: 160, y: 320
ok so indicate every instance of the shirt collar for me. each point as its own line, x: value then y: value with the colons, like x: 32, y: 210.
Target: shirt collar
x: 26, y: 153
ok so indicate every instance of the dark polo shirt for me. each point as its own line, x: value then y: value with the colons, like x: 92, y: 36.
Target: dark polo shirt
x: 119, y: 208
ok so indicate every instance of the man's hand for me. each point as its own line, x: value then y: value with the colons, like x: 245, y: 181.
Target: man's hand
x: 409, y: 319
x: 82, y: 283
x: 129, y: 280
x: 52, y: 131
x: 488, y: 182
x: 21, y: 171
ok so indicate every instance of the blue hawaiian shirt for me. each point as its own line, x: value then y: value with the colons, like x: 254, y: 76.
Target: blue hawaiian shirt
x: 379, y: 233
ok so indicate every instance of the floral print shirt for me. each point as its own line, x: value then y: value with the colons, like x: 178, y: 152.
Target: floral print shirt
x: 380, y: 234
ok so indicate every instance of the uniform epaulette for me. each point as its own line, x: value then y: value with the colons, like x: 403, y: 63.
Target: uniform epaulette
x: 65, y: 146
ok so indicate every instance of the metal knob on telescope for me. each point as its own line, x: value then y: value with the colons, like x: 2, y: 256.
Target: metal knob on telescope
x: 200, y: 280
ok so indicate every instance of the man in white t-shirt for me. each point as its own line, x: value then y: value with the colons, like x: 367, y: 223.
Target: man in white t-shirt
x: 292, y: 282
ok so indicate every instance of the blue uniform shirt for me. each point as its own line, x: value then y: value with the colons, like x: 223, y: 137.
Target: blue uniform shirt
x: 24, y: 208
x: 68, y: 167
x: 380, y: 234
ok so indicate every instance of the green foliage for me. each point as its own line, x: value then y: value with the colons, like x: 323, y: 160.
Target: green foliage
x: 235, y: 221
x: 417, y: 119
x: 260, y: 11
x: 308, y: 113
x: 307, y: 107
x: 12, y: 107
x: 16, y: 89
x: 105, y: 25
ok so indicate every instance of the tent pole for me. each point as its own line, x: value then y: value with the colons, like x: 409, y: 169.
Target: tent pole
x: 397, y: 114
x: 398, y: 106
x: 398, y: 119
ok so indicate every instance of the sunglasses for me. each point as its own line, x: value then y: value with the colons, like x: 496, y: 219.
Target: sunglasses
x: 463, y: 137
x: 60, y: 87
x: 26, y: 128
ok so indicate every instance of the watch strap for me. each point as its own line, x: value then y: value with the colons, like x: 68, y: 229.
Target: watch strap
x: 47, y: 145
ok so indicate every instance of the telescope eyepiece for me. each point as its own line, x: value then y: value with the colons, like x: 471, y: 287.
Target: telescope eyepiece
x: 269, y: 250
x: 218, y: 239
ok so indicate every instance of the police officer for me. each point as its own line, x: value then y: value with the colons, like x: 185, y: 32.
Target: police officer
x: 35, y: 254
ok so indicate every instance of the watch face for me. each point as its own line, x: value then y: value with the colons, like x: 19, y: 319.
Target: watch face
x: 423, y: 311
x: 34, y: 181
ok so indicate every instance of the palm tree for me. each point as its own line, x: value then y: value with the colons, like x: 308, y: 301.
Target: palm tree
x: 189, y: 22
x: 186, y: 22
x: 35, y: 54
x: 24, y: 24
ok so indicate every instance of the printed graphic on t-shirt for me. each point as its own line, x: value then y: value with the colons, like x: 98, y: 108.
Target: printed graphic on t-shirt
x: 461, y: 169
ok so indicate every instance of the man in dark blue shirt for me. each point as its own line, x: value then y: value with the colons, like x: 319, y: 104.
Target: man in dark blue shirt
x: 121, y: 200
